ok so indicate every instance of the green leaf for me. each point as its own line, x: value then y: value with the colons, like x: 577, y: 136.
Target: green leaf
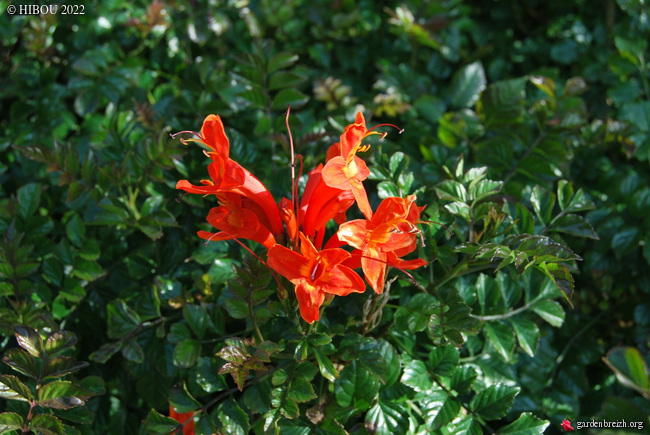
x: 325, y: 366
x: 62, y: 395
x: 301, y: 390
x: 543, y: 203
x: 503, y: 102
x: 21, y: 361
x: 393, y: 362
x: 356, y: 387
x: 59, y: 341
x: 132, y: 351
x: 387, y: 418
x: 625, y: 241
x: 630, y: 368
x: 186, y: 353
x: 93, y: 384
x: 62, y: 365
x: 29, y: 339
x: 105, y: 352
x: 287, y: 407
x: 281, y: 61
x: 288, y: 97
x: 416, y: 314
x: 182, y: 401
x: 443, y: 360
x: 285, y: 79
x: 122, y: 320
x: 493, y: 402
x: 527, y: 334
x: 459, y: 208
x: 319, y: 339
x: 255, y: 97
x: 12, y: 388
x: 501, y: 337
x: 158, y: 424
x: 482, y: 189
x: 526, y: 424
x: 29, y: 196
x: 439, y: 408
x: 76, y: 230
x: 10, y: 421
x: 467, y: 84
x: 546, y: 84
x: 463, y: 378
x: 416, y: 376
x: 574, y: 225
x: 197, y: 318
x: 451, y: 190
x: 551, y: 311
x: 234, y: 420
x: 46, y: 425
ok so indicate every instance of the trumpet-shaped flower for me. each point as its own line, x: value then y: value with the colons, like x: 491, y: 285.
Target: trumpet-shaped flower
x: 382, y: 240
x: 237, y: 218
x: 228, y: 176
x: 346, y: 171
x: 315, y: 274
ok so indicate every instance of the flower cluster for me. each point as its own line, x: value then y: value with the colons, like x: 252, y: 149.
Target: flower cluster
x: 293, y: 231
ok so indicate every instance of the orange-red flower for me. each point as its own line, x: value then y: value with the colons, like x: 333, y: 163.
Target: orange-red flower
x: 315, y: 274
x: 382, y: 240
x: 346, y: 171
x: 237, y: 218
x: 228, y: 177
x: 183, y: 418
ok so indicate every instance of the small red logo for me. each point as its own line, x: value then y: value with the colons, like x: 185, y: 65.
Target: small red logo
x: 566, y: 425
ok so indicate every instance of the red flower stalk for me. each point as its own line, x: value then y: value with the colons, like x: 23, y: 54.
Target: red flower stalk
x: 382, y: 240
x: 184, y: 418
x: 315, y: 274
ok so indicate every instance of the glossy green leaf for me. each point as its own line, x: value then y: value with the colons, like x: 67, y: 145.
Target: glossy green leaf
x: 76, y: 230
x: 122, y: 320
x: 10, y: 421
x: 416, y: 314
x: 21, y: 361
x: 325, y: 366
x: 526, y: 424
x: 467, y: 84
x: 463, y: 378
x: 233, y: 418
x: 574, y: 225
x: 289, y: 97
x: 630, y: 368
x: 503, y: 102
x: 550, y: 311
x: 387, y: 418
x: 158, y: 424
x: 182, y: 401
x: 29, y: 196
x: 62, y: 365
x: 47, y: 425
x: 186, y: 353
x: 483, y: 189
x: 197, y: 318
x: 29, y: 339
x: 501, y: 337
x: 12, y: 388
x: 527, y: 334
x: 132, y: 351
x: 546, y: 84
x: 62, y: 395
x: 285, y: 79
x: 301, y: 390
x: 439, y: 408
x: 356, y: 387
x: 392, y: 361
x: 59, y: 341
x: 416, y: 376
x: 493, y: 402
x: 105, y: 352
x: 281, y: 61
x: 451, y: 191
x: 443, y: 360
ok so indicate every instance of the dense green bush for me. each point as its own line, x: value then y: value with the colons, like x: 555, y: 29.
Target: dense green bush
x: 526, y: 136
